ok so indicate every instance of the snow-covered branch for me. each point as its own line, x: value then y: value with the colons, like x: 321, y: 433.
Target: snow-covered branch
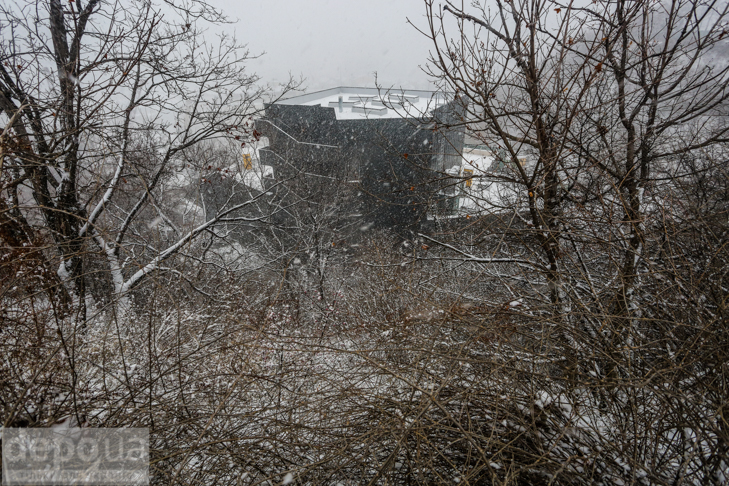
x: 476, y: 259
x: 154, y: 265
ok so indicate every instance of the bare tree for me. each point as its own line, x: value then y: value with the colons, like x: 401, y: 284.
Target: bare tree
x: 660, y: 95
x: 521, y: 89
x: 101, y: 100
x: 579, y: 90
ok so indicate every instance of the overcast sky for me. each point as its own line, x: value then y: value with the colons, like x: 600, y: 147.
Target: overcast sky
x: 334, y: 42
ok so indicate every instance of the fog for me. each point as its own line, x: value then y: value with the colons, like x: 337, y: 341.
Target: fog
x: 334, y: 43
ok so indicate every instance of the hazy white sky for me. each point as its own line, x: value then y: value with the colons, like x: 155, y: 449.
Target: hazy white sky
x: 334, y: 42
